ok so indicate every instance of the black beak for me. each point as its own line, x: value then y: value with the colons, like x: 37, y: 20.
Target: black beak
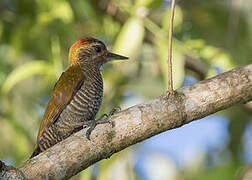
x: 111, y: 56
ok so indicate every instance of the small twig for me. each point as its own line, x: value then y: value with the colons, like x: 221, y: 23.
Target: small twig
x: 170, y: 88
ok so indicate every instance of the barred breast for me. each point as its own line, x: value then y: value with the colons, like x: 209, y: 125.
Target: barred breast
x: 87, y: 101
x: 83, y: 107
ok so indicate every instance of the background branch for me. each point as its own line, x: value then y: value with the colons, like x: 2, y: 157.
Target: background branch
x: 196, y: 65
x: 140, y: 122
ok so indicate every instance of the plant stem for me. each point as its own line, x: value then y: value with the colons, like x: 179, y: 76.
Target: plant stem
x: 170, y: 87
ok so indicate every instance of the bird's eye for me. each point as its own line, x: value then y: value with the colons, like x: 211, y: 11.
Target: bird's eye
x: 98, y: 49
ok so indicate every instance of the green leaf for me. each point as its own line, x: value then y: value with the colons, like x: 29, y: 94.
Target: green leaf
x: 143, y: 2
x: 63, y: 11
x: 130, y: 38
x: 155, y: 4
x: 87, y: 174
x: 22, y: 72
x: 218, y: 57
x: 58, y: 10
x: 56, y: 55
x: 149, y: 3
x: 106, y: 164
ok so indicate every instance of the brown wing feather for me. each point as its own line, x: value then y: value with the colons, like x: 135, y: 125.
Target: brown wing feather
x: 69, y: 82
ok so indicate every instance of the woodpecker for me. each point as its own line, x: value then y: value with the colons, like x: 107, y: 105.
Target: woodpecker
x: 77, y: 96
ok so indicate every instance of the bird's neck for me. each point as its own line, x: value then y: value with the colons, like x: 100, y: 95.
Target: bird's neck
x: 91, y: 72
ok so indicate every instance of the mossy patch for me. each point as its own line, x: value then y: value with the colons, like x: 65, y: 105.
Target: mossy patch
x: 110, y: 135
x: 179, y: 94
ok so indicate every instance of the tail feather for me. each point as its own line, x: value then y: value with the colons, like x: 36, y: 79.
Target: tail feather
x: 36, y: 152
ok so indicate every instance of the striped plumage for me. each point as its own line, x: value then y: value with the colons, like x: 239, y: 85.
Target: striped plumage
x: 83, y: 107
x: 77, y: 96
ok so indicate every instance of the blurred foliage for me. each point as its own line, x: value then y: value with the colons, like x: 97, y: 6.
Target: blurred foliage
x: 35, y: 37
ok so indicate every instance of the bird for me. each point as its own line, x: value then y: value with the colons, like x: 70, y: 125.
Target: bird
x: 77, y: 95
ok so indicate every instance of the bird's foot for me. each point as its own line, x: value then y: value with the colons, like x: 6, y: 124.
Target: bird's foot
x: 104, y: 118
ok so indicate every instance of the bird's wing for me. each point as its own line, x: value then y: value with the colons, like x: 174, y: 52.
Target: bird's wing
x: 69, y: 82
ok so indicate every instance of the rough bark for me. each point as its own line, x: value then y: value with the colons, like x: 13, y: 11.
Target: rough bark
x: 9, y: 172
x: 140, y: 122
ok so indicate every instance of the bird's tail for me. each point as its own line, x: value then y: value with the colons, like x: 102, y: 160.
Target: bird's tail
x: 36, y: 152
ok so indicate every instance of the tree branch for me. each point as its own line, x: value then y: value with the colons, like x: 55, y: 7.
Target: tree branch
x: 140, y: 122
x: 9, y: 172
x: 196, y: 65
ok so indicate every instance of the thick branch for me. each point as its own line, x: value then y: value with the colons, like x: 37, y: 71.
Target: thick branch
x: 140, y: 122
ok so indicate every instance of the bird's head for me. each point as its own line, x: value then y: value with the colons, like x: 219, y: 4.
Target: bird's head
x: 90, y: 51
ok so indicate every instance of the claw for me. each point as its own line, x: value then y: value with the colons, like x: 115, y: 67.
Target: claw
x: 112, y: 123
x: 86, y: 124
x: 92, y: 125
x: 88, y: 132
x: 101, y: 120
x: 114, y: 110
